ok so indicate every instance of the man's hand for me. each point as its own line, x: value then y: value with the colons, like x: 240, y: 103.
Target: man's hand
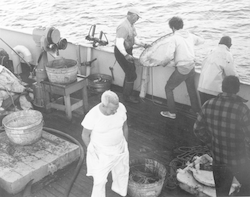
x: 129, y: 58
x: 169, y: 64
x: 146, y: 45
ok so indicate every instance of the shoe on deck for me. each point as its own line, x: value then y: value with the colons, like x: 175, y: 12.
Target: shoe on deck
x: 131, y: 99
x: 167, y: 114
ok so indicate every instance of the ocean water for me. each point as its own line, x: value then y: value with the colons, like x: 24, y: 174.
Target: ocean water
x: 210, y: 19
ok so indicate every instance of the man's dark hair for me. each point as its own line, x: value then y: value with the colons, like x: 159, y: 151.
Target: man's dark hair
x: 176, y: 22
x: 226, y: 40
x: 231, y: 84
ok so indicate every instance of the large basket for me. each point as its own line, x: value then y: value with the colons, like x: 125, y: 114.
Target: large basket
x: 23, y: 127
x: 99, y: 82
x: 62, y: 71
x: 137, y: 189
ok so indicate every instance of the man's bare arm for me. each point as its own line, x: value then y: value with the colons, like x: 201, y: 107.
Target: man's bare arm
x: 86, y: 136
x: 125, y: 130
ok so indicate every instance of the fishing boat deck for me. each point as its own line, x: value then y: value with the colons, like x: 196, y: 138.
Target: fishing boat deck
x: 150, y: 136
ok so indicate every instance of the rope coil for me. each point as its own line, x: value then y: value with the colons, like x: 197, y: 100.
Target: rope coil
x: 185, y: 154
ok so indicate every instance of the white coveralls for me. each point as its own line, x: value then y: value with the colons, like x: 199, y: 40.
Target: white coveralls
x: 107, y: 150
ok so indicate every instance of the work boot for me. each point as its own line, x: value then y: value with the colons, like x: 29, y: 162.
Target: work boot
x: 127, y: 91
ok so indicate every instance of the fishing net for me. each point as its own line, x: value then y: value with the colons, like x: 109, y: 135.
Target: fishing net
x: 141, y: 174
x: 155, y: 54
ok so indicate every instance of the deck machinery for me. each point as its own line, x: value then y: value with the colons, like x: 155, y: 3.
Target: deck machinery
x: 48, y: 41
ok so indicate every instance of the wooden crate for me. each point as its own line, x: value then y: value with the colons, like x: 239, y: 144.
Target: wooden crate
x: 20, y: 164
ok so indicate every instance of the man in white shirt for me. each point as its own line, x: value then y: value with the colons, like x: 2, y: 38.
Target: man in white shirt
x: 125, y: 40
x: 105, y: 133
x: 215, y: 67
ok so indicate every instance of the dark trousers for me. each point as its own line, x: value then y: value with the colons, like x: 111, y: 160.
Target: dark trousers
x: 223, y: 176
x: 127, y: 67
x: 205, y: 97
x: 175, y: 80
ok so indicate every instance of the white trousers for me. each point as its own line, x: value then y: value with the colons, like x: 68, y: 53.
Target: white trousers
x: 101, y: 161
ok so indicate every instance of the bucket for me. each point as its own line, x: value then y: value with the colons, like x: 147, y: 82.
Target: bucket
x: 146, y: 178
x: 99, y: 82
x: 62, y: 71
x: 23, y: 127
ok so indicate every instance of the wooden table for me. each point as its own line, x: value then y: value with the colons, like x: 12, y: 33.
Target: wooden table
x: 68, y: 104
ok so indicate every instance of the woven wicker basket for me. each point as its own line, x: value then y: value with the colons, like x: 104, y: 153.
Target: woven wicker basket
x: 136, y: 189
x: 62, y: 71
x: 23, y: 127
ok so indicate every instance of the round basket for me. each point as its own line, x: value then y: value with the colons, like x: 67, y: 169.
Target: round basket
x: 137, y: 186
x: 23, y: 127
x: 62, y: 71
x: 99, y: 82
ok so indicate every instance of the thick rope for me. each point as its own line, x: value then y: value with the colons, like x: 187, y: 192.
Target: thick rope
x: 185, y: 154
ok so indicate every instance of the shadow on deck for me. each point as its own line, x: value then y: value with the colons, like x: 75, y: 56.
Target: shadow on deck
x: 150, y: 136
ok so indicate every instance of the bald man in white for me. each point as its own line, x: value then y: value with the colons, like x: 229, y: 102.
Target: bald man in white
x: 105, y: 133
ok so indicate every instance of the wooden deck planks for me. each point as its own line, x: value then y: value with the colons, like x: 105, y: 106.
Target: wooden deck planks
x: 43, y: 193
x: 53, y: 191
x: 151, y: 136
